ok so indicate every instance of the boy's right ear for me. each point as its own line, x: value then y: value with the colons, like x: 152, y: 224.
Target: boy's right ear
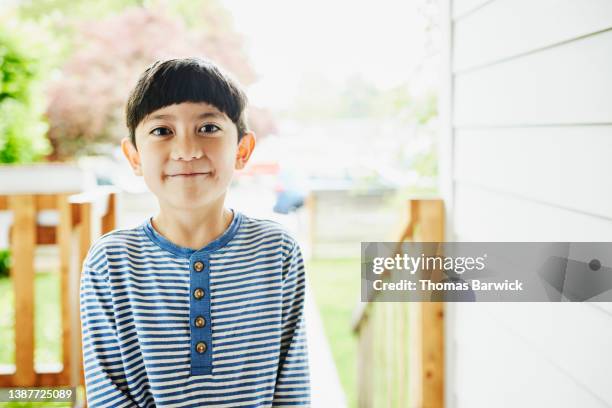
x: 132, y: 155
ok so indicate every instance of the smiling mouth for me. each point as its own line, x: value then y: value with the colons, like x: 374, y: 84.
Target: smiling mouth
x: 188, y: 175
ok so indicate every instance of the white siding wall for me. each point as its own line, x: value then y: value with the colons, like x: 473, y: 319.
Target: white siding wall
x: 531, y: 151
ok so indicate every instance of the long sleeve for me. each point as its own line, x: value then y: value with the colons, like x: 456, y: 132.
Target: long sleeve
x: 293, y: 379
x: 104, y: 375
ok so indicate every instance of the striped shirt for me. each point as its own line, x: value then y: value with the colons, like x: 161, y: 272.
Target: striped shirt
x: 169, y: 326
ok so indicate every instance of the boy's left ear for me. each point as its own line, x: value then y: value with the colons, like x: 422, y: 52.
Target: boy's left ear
x: 245, y: 148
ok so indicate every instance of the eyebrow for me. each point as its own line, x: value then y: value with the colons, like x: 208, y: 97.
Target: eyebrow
x: 205, y: 115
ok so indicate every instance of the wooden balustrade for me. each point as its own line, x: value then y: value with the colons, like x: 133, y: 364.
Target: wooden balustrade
x: 401, y: 344
x: 81, y: 218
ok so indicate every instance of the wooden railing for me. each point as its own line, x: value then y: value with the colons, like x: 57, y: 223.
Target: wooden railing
x: 401, y: 345
x: 82, y: 217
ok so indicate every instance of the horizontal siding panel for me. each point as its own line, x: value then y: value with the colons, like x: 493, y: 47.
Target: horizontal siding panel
x: 569, y: 84
x: 605, y: 306
x: 507, y: 28
x: 482, y: 215
x: 461, y: 7
x: 497, y: 367
x: 556, y: 165
x: 532, y: 113
x: 576, y: 336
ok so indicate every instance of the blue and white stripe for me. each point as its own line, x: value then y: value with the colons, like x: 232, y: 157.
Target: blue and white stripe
x: 138, y: 337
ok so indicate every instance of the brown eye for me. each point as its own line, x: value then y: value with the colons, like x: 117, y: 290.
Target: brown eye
x: 159, y: 128
x: 210, y: 128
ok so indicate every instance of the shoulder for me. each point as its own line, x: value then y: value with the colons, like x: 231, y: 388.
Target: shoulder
x: 267, y: 230
x: 114, y: 240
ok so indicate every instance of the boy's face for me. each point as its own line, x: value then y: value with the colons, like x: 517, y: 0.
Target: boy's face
x: 187, y: 153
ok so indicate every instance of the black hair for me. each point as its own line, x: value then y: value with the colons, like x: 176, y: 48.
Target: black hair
x: 190, y: 79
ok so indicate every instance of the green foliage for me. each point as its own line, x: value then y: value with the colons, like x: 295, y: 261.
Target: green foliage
x: 426, y: 164
x: 425, y: 108
x: 56, y: 18
x: 41, y: 9
x: 17, y: 71
x: 5, y: 262
x: 22, y: 124
x: 22, y: 133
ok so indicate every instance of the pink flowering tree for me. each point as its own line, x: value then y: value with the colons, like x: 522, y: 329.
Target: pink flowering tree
x: 87, y: 100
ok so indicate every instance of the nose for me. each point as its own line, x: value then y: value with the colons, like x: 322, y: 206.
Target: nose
x: 185, y: 147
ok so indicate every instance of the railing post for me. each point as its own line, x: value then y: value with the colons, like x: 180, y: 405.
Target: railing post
x: 63, y: 234
x: 417, y: 340
x: 109, y: 220
x: 432, y: 314
x: 23, y: 242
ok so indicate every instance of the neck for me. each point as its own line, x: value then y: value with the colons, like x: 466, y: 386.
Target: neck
x: 193, y: 229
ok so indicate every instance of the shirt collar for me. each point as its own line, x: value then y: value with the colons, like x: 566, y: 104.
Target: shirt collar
x: 170, y: 246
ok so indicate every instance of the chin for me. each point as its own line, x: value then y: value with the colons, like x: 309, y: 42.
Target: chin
x: 188, y: 202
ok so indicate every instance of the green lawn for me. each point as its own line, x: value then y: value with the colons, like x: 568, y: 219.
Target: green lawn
x: 47, y: 320
x: 35, y: 405
x: 335, y: 284
x: 7, y: 317
x: 47, y: 327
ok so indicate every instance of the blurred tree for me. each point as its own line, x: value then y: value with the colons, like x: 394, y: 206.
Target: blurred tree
x: 426, y: 163
x: 58, y: 17
x: 22, y: 124
x: 106, y: 52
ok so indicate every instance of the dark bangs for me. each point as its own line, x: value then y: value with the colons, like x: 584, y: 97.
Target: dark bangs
x: 180, y: 80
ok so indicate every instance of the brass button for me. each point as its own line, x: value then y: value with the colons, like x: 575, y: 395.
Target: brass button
x: 198, y: 266
x: 198, y: 293
x: 200, y: 347
x: 199, y: 321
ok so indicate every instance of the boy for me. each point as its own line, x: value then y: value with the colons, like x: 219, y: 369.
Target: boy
x: 200, y: 305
